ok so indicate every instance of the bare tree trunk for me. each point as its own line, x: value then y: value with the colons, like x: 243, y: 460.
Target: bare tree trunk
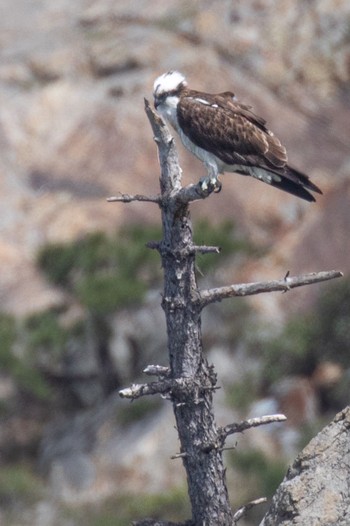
x: 192, y: 399
x: 189, y: 382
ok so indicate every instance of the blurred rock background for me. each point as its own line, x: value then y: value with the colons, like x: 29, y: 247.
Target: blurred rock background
x: 80, y: 314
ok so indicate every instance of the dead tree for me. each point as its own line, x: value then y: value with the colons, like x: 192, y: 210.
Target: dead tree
x: 189, y: 381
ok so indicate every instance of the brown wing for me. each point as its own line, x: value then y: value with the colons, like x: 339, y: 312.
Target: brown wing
x: 221, y: 125
x: 229, y: 101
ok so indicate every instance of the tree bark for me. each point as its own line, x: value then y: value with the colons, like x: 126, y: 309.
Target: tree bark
x: 192, y: 397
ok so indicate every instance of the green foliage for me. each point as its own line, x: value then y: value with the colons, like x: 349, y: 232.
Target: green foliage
x: 307, y: 341
x: 133, y: 253
x: 19, y: 487
x: 222, y: 235
x: 45, y: 332
x: 332, y: 329
x: 57, y: 260
x: 29, y: 378
x: 241, y: 394
x: 263, y: 475
x: 21, y: 368
x: 104, y: 273
x: 236, y: 319
x: 172, y: 504
x: 43, y: 337
x: 105, y: 294
x: 19, y: 484
x: 108, y: 272
x: 7, y: 339
x: 132, y: 412
x: 122, y: 510
x: 292, y: 352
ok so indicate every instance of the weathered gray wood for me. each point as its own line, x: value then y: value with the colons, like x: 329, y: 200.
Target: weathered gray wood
x: 192, y: 399
x: 249, y: 289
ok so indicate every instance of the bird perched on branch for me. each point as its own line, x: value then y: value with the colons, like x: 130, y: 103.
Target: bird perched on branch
x: 227, y: 136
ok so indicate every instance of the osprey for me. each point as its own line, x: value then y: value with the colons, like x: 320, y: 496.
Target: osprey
x: 227, y: 136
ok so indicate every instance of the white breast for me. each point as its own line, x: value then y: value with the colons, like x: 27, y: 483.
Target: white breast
x: 168, y: 110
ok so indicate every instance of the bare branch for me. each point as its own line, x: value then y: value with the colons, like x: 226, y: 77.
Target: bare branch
x: 206, y: 249
x: 193, y: 192
x: 164, y: 386
x: 243, y: 510
x: 126, y: 198
x: 157, y: 370
x: 239, y: 427
x: 153, y: 245
x: 191, y: 249
x: 138, y: 390
x: 178, y: 455
x: 208, y: 296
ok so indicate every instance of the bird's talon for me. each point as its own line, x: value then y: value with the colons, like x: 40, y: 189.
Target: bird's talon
x: 204, y: 185
x: 218, y: 187
x: 209, y: 185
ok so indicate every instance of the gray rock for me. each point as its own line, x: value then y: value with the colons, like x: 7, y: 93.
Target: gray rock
x: 316, y: 489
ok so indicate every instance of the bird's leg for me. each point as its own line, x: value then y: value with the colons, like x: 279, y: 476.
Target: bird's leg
x: 211, y: 182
